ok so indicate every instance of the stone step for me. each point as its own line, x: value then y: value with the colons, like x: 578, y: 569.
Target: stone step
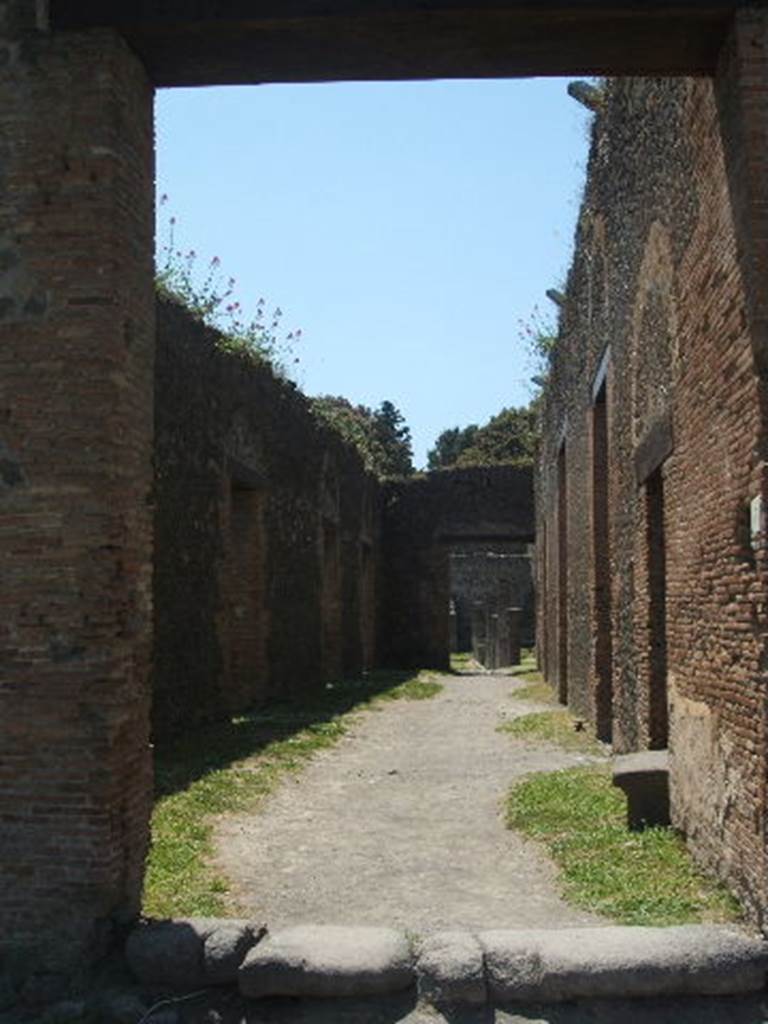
x: 503, y: 967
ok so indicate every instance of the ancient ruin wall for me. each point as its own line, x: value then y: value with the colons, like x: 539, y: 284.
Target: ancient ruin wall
x: 492, y: 573
x: 653, y: 440
x: 424, y: 519
x: 266, y: 534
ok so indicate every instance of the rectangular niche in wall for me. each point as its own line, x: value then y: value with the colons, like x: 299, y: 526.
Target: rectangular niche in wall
x: 332, y: 622
x: 657, y: 611
x: 601, y: 570
x: 245, y: 624
x: 562, y: 576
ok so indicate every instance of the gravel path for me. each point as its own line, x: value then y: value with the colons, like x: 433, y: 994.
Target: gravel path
x: 401, y: 824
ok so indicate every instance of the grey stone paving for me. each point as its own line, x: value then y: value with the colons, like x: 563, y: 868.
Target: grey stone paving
x: 401, y: 825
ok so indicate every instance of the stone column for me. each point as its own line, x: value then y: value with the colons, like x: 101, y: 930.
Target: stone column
x: 492, y: 657
x: 479, y: 633
x: 514, y: 618
x: 76, y: 412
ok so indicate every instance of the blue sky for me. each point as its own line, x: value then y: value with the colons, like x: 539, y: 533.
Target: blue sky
x: 406, y: 228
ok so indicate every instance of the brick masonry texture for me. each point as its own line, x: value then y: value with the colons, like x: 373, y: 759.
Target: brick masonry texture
x: 268, y: 565
x: 424, y: 519
x: 76, y: 317
x: 651, y: 594
x: 266, y: 536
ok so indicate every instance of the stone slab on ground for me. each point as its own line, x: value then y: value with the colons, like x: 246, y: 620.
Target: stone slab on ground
x: 450, y: 969
x: 588, y: 963
x: 192, y: 952
x: 327, y: 961
x: 644, y: 779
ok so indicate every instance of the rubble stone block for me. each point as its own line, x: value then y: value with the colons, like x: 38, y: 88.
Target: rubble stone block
x: 450, y: 969
x: 328, y: 961
x: 644, y: 779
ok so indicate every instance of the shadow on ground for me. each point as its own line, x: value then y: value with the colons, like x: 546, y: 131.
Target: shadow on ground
x: 182, y: 761
x: 403, y: 1010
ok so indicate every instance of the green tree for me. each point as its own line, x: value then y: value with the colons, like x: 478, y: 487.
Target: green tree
x: 449, y: 446
x: 394, y: 436
x: 382, y: 437
x: 510, y: 436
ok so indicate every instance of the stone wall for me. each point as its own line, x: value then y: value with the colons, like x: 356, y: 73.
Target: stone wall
x: 487, y: 573
x: 651, y: 590
x: 424, y: 519
x: 266, y: 536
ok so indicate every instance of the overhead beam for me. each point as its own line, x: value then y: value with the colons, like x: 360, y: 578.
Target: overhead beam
x: 209, y: 42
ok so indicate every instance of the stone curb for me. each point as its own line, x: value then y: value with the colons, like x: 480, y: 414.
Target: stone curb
x: 450, y: 968
x: 190, y: 953
x: 326, y: 961
x: 620, y: 962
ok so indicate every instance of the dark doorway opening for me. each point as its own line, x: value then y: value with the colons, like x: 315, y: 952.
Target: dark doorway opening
x: 658, y: 723
x: 562, y: 576
x: 601, y: 557
x: 244, y: 579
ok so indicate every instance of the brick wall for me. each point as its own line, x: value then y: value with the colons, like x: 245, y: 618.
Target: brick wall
x: 653, y: 448
x: 266, y: 529
x: 76, y: 322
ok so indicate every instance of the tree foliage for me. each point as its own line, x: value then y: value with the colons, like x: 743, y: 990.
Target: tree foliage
x: 509, y: 437
x: 380, y: 435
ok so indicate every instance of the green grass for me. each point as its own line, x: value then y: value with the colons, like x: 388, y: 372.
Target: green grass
x: 535, y: 690
x: 462, y: 661
x: 527, y: 666
x: 557, y: 727
x: 639, y: 878
x: 231, y: 766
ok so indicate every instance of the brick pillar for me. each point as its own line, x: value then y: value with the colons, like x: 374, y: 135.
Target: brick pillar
x: 741, y: 88
x: 76, y: 365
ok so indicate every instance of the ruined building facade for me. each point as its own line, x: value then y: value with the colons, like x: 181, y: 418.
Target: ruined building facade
x: 651, y: 566
x: 77, y: 385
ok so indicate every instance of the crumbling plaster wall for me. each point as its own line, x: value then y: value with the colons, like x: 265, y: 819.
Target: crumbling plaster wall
x: 657, y: 306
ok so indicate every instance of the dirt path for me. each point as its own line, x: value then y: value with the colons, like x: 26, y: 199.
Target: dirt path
x: 401, y: 824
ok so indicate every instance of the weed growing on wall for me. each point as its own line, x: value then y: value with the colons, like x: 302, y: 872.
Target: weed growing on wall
x: 210, y: 296
x: 539, y: 335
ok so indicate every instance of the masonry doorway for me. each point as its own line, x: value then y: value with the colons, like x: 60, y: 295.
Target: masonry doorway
x: 242, y: 581
x: 601, y: 569
x: 658, y: 716
x: 562, y: 576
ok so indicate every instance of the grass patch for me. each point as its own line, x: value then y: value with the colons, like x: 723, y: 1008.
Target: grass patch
x: 640, y: 878
x: 462, y: 661
x: 231, y: 766
x: 557, y: 727
x: 535, y: 690
x: 527, y: 666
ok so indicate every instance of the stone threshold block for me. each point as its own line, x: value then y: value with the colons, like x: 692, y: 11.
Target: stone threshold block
x: 451, y: 970
x: 328, y: 961
x: 644, y: 778
x: 549, y: 966
x: 190, y: 953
